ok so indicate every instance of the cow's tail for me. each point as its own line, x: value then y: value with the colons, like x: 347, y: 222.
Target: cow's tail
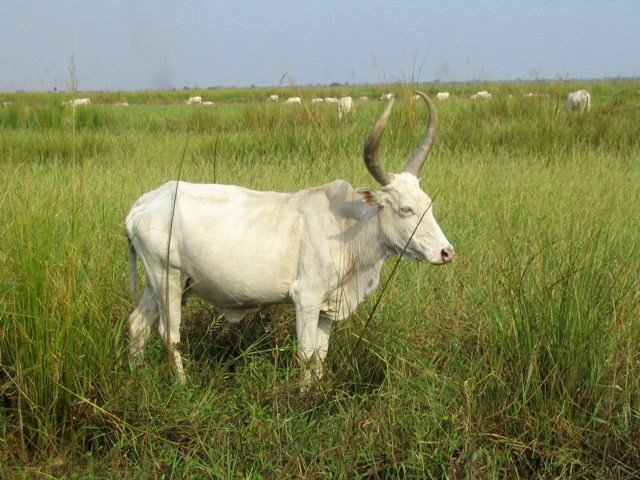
x: 133, y: 275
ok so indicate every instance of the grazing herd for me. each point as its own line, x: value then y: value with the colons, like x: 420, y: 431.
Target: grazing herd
x: 579, y: 100
x: 575, y: 101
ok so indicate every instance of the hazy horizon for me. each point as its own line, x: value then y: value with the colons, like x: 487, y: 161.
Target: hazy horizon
x: 162, y: 45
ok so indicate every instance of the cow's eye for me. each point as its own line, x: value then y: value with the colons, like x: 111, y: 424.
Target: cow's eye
x: 406, y: 210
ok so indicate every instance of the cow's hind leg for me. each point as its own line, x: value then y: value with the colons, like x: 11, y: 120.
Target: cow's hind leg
x: 141, y: 321
x: 170, y: 303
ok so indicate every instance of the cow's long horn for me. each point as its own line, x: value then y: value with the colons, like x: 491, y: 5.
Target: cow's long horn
x: 372, y: 144
x: 415, y: 163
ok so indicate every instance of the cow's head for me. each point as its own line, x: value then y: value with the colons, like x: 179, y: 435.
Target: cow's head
x: 406, y: 216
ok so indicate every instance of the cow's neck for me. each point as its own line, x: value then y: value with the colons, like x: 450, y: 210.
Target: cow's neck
x: 363, y: 260
x: 367, y: 247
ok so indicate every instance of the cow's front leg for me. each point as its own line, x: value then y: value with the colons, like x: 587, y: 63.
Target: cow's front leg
x: 307, y: 311
x: 322, y: 342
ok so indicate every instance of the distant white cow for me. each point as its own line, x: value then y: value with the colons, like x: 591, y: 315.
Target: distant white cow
x: 273, y: 98
x: 317, y: 100
x: 208, y: 102
x: 79, y: 101
x: 293, y: 100
x: 345, y: 106
x: 364, y: 98
x: 580, y: 101
x: 194, y: 100
x: 330, y: 100
x: 481, y: 94
x: 320, y: 249
x: 442, y: 95
x: 385, y: 97
x: 122, y: 104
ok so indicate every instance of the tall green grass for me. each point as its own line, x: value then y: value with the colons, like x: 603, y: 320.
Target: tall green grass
x: 559, y: 345
x: 519, y: 359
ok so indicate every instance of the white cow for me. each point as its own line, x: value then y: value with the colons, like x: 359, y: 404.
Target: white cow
x: 330, y: 100
x: 293, y: 100
x: 580, y: 100
x: 345, y: 106
x: 273, y: 98
x: 208, y: 102
x: 317, y: 100
x: 194, y: 100
x: 364, y: 98
x: 79, y: 101
x: 442, y: 95
x: 385, y: 97
x: 320, y: 249
x: 481, y: 94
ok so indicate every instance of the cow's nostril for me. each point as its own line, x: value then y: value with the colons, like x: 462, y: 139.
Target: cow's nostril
x: 447, y: 254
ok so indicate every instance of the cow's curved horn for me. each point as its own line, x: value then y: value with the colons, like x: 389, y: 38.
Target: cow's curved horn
x: 415, y: 163
x: 372, y: 144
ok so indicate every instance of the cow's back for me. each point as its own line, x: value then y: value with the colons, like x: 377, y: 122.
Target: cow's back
x: 236, y: 246
x: 240, y: 247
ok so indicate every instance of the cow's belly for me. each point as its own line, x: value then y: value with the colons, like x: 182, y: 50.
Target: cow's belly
x: 229, y: 271
x: 240, y: 253
x: 251, y: 283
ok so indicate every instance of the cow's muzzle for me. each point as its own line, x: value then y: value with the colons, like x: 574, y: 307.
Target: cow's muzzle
x: 447, y: 254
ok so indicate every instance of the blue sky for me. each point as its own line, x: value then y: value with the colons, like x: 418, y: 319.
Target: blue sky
x: 140, y: 44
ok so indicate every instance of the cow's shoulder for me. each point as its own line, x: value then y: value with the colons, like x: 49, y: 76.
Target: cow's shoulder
x: 336, y: 191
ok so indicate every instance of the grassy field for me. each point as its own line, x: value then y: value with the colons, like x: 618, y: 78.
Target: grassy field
x: 519, y: 360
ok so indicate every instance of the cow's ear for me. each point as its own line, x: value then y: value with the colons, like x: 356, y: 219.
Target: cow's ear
x: 370, y: 196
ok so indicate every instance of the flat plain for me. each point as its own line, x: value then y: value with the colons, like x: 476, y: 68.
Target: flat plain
x: 518, y: 360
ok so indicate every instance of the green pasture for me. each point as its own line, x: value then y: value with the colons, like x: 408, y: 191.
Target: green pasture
x: 518, y: 360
